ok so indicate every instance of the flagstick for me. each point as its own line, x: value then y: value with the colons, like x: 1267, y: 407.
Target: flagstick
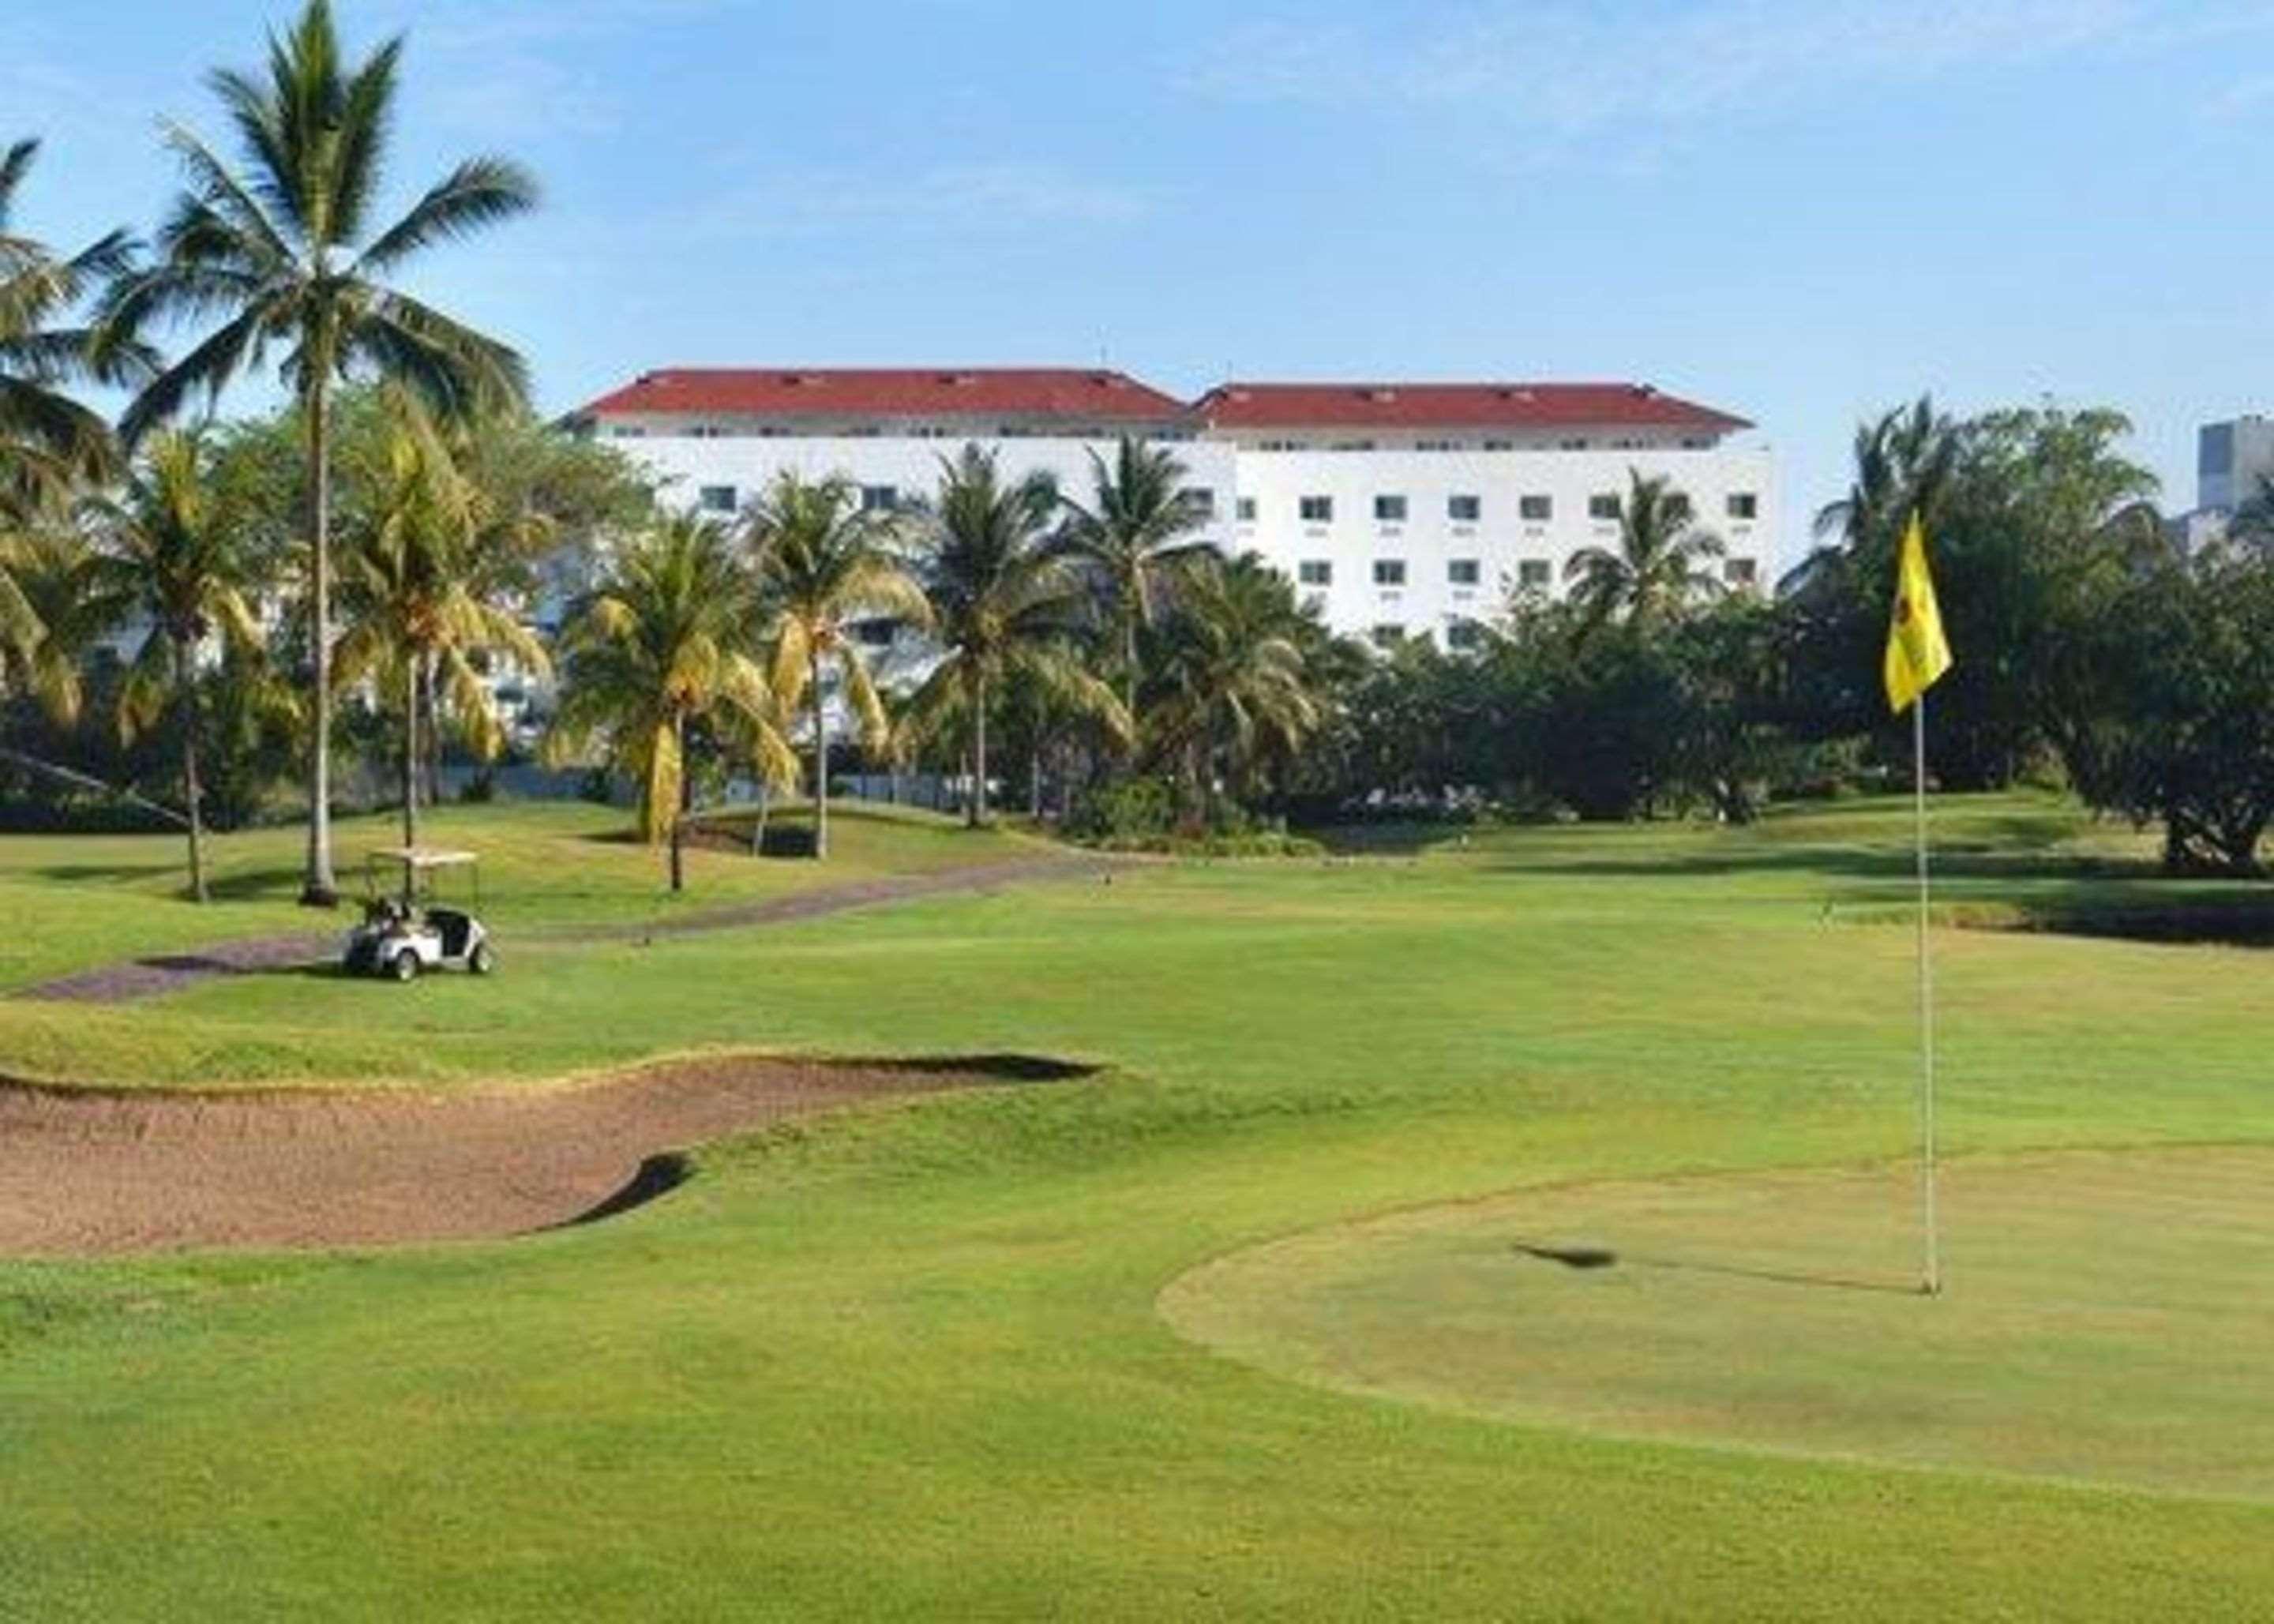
x: 1931, y: 1283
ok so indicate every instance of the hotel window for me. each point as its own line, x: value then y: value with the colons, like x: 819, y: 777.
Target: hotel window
x: 1389, y: 572
x: 879, y: 499
x: 1574, y: 444
x: 1245, y: 509
x: 1535, y: 510
x: 1389, y: 510
x: 1677, y: 506
x: 1463, y: 636
x: 1315, y: 509
x: 1387, y: 637
x: 1351, y: 444
x: 1603, y: 507
x: 1199, y: 500
x: 1439, y: 445
x: 627, y: 431
x: 1315, y: 572
x: 1740, y: 572
x: 1532, y: 575
x: 1745, y: 505
x: 1464, y: 572
x: 1464, y: 509
x: 718, y: 498
x: 1500, y: 445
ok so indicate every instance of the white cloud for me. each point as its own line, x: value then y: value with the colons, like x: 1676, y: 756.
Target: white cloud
x: 1571, y: 69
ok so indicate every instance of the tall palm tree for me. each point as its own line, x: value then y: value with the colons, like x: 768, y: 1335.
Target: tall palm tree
x: 282, y: 251
x: 667, y: 639
x: 49, y: 444
x: 1655, y: 569
x: 1237, y: 685
x: 1132, y: 538
x: 172, y: 556
x: 1001, y: 602
x: 417, y: 579
x: 822, y: 564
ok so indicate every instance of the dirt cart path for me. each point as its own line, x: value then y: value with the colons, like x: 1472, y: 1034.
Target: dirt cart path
x: 83, y: 1173
x: 159, y: 973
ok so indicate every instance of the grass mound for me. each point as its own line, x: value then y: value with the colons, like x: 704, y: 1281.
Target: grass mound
x: 2108, y: 1321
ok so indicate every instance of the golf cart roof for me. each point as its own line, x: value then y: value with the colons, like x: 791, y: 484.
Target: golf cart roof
x: 421, y: 856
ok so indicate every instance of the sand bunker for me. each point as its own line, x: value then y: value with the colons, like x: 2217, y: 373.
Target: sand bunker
x: 85, y: 1173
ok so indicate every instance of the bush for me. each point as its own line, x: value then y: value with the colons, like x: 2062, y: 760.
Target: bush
x: 1124, y: 809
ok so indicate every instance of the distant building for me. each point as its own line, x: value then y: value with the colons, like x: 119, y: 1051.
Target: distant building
x: 2234, y: 460
x: 1398, y: 509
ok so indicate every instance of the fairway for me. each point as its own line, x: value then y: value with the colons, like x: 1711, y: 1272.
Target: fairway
x: 2110, y: 1316
x: 910, y: 1362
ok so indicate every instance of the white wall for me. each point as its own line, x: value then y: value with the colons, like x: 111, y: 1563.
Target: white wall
x: 1427, y: 541
x: 911, y: 467
x: 1430, y: 539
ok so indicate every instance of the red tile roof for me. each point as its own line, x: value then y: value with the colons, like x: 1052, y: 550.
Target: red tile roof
x: 1089, y: 395
x: 1457, y: 405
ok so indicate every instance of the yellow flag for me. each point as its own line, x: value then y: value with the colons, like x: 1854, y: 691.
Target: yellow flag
x: 1917, y: 652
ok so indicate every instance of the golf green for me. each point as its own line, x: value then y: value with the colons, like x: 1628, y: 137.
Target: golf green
x: 2108, y: 1316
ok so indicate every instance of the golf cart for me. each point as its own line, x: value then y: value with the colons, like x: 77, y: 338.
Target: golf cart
x: 409, y: 930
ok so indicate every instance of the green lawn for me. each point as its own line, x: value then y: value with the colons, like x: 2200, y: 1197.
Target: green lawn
x: 910, y: 1364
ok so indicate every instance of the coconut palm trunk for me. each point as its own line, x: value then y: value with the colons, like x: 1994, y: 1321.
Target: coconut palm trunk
x: 978, y: 804
x: 318, y: 887
x: 820, y: 756
x: 411, y: 665
x: 192, y: 790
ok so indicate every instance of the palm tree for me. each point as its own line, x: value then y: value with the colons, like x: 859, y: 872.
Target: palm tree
x: 1130, y: 538
x: 1001, y: 602
x: 821, y: 565
x: 417, y: 581
x: 1237, y: 686
x: 1655, y: 569
x: 283, y: 252
x: 173, y: 558
x: 667, y: 639
x: 1903, y: 462
x: 49, y: 444
x: 55, y: 574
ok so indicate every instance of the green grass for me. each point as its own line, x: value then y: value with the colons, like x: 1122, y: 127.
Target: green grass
x: 547, y: 867
x: 2107, y: 1317
x: 909, y: 1363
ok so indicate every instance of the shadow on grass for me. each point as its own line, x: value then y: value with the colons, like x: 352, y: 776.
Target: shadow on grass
x: 1603, y: 1257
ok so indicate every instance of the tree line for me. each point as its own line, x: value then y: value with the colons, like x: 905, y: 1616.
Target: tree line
x: 204, y: 608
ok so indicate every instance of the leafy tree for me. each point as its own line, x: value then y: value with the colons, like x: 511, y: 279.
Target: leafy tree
x: 1130, y: 539
x: 1657, y: 568
x: 285, y: 253
x: 1002, y: 602
x: 422, y: 577
x: 822, y: 565
x: 172, y: 558
x: 665, y: 645
x: 1903, y: 460
x: 2183, y: 712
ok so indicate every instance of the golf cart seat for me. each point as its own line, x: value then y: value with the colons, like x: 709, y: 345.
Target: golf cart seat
x: 456, y: 927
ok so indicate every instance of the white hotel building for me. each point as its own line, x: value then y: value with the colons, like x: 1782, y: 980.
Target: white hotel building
x: 1399, y: 509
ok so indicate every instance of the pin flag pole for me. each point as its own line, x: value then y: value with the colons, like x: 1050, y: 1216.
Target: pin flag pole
x: 1931, y: 1279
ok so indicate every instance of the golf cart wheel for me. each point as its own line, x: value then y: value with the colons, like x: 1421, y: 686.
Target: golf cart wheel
x: 483, y: 960
x: 404, y: 965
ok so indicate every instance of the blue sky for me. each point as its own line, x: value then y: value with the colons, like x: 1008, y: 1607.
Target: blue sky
x: 1802, y: 210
